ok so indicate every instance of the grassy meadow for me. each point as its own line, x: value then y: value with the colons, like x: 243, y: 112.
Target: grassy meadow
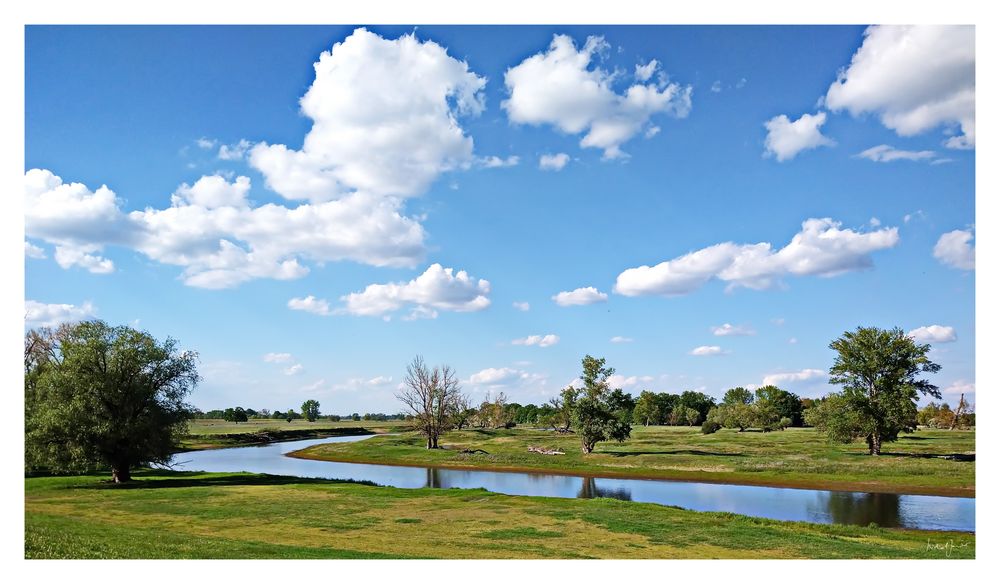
x: 796, y: 457
x: 200, y: 515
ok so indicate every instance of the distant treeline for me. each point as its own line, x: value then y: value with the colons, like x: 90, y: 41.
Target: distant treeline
x: 241, y: 414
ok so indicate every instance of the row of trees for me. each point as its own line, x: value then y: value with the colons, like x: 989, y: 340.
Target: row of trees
x: 114, y: 396
x: 768, y: 408
x: 436, y: 404
x: 309, y: 411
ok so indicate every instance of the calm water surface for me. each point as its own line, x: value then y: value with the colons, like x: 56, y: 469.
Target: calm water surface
x: 912, y: 511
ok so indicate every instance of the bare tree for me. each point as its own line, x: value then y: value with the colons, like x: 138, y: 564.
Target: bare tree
x: 433, y: 396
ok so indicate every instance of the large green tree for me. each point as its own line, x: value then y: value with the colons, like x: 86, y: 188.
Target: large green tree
x: 775, y: 404
x: 647, y: 410
x: 599, y: 413
x: 310, y: 410
x: 880, y: 372
x: 97, y: 395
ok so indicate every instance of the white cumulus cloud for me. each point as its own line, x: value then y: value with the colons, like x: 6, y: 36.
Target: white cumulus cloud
x: 522, y: 306
x: 539, y: 340
x: 934, y: 333
x: 39, y: 314
x: 785, y: 138
x: 311, y: 304
x: 955, y: 249
x: 619, y: 340
x: 580, y: 297
x: 385, y: 121
x: 277, y: 357
x: 438, y: 288
x: 385, y: 117
x: 915, y: 78
x: 553, y: 161
x: 293, y: 369
x: 821, y: 248
x: 68, y: 257
x: 562, y: 87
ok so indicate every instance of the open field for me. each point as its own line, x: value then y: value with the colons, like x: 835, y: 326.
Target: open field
x: 797, y: 457
x: 211, y: 433
x: 199, y: 515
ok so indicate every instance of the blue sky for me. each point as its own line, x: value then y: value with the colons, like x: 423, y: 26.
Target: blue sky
x: 424, y: 150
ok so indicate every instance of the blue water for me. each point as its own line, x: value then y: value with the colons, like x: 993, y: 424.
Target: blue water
x: 854, y: 508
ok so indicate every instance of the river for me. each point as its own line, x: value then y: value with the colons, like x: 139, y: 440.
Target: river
x: 816, y: 506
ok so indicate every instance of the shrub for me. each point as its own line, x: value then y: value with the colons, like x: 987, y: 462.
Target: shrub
x: 710, y: 427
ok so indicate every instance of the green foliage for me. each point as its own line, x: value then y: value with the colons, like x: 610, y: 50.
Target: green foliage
x: 774, y: 404
x: 235, y: 415
x: 694, y: 400
x: 738, y: 395
x: 879, y: 371
x: 734, y: 415
x: 310, y: 410
x: 647, y: 410
x: 599, y: 413
x: 97, y: 395
x: 710, y: 427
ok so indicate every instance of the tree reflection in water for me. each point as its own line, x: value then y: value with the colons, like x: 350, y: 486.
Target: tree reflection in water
x: 882, y: 509
x: 590, y: 490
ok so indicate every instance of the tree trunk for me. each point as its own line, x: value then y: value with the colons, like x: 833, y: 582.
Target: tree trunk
x: 120, y: 473
x: 587, y: 448
x: 874, y: 444
x: 430, y: 442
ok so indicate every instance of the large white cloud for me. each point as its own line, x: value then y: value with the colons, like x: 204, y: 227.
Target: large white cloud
x: 211, y: 231
x: 385, y: 121
x: 385, y: 125
x: 934, y: 333
x: 39, y: 314
x: 821, y: 248
x: 914, y: 78
x: 561, y: 87
x: 955, y: 249
x: 438, y: 288
x: 580, y: 297
x: 785, y: 138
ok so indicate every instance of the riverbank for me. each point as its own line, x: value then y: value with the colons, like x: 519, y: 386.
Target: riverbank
x: 922, y: 463
x: 210, y: 434
x: 166, y: 514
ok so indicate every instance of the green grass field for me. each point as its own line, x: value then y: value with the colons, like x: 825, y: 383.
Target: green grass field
x: 797, y: 457
x: 198, y: 515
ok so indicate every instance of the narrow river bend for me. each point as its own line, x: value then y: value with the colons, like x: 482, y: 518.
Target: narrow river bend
x: 816, y: 506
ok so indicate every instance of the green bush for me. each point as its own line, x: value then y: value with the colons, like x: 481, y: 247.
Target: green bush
x: 710, y: 427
